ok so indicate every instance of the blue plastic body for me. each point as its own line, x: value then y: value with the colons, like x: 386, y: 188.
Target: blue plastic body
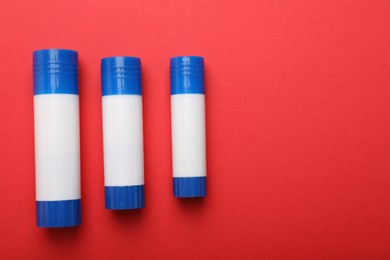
x: 187, y: 75
x: 55, y: 71
x: 121, y: 75
x: 124, y: 197
x: 189, y: 187
x: 55, y: 214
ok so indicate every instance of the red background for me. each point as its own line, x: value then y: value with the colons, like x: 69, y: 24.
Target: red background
x: 298, y: 128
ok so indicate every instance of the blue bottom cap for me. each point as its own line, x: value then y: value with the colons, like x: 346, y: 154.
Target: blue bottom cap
x: 187, y: 187
x: 61, y: 213
x: 125, y: 197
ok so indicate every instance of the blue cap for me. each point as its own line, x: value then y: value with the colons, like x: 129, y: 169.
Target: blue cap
x: 187, y: 75
x: 124, y: 197
x: 189, y: 187
x: 55, y: 71
x: 121, y: 76
x: 61, y: 213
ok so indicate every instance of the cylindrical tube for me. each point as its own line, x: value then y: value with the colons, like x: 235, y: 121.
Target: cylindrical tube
x: 188, y: 126
x: 57, y: 141
x: 122, y: 133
